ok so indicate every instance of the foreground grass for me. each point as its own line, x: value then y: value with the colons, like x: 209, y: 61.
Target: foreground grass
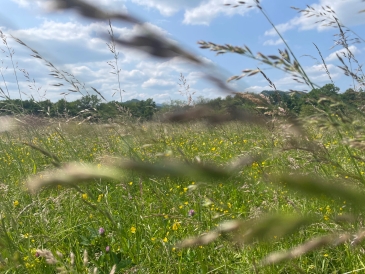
x: 148, y: 215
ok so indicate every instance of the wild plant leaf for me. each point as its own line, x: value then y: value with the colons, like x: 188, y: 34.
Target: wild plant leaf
x: 156, y: 46
x: 271, y: 227
x: 316, y: 186
x: 211, y: 236
x: 70, y: 175
x: 171, y: 168
x: 88, y: 10
x: 311, y: 245
x: 265, y: 228
x: 253, y: 72
x: 209, y: 115
x: 7, y: 124
x: 274, y: 57
x: 56, y: 162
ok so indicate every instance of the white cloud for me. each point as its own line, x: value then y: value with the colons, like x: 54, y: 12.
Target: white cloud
x: 210, y: 93
x: 333, y: 56
x: 208, y: 10
x: 318, y: 75
x: 75, y: 35
x: 167, y: 8
x: 198, y: 12
x: 142, y: 82
x: 141, y: 77
x: 26, y: 3
x: 257, y: 89
x: 272, y: 42
x: 68, y: 35
x: 155, y: 83
x: 283, y: 27
x: 193, y: 77
x: 51, y: 30
x: 347, y: 12
x: 108, y: 4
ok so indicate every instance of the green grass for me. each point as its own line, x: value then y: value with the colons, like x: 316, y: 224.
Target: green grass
x: 125, y: 198
x: 150, y: 214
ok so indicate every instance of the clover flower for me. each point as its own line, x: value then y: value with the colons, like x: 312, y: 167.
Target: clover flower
x: 101, y: 231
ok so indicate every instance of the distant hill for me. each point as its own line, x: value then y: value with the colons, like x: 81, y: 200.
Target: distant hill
x: 280, y: 92
x: 132, y: 101
x: 136, y: 101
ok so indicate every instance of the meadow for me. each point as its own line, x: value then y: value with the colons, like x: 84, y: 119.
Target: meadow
x: 259, y: 190
x: 136, y: 222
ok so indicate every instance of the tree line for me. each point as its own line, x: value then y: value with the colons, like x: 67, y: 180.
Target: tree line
x: 297, y: 103
x: 91, y: 106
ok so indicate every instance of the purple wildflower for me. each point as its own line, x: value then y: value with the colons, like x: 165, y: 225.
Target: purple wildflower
x: 191, y: 213
x: 101, y: 231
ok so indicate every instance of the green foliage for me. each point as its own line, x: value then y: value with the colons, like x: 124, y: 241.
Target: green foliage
x: 89, y: 106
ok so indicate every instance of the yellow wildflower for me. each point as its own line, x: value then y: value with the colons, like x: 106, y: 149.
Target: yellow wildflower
x: 175, y: 226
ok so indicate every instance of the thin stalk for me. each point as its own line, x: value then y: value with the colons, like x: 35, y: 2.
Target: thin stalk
x: 6, y: 86
x: 15, y: 74
x: 95, y: 207
x: 348, y: 150
x: 112, y: 48
x: 286, y: 44
x: 350, y: 54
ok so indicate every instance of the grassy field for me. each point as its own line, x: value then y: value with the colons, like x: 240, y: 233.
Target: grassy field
x: 136, y: 221
x: 279, y: 195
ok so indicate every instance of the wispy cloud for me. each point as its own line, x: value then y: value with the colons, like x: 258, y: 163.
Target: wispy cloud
x: 207, y: 11
x: 272, y: 42
x: 283, y: 27
x: 79, y: 48
x: 198, y: 12
x: 257, y: 89
x: 108, y: 4
x: 347, y: 12
x: 333, y: 56
x: 168, y: 8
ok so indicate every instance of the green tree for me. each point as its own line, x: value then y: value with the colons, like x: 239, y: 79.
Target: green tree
x: 350, y: 96
x: 328, y: 90
x: 89, y: 101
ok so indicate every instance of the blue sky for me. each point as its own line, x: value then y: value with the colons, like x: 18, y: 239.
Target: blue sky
x: 78, y: 45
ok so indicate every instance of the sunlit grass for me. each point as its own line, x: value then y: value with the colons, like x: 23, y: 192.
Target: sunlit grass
x: 149, y: 214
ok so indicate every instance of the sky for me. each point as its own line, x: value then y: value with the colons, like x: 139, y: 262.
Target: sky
x: 79, y: 46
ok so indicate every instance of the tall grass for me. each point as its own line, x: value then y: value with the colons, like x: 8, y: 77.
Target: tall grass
x: 143, y: 215
x: 205, y: 196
